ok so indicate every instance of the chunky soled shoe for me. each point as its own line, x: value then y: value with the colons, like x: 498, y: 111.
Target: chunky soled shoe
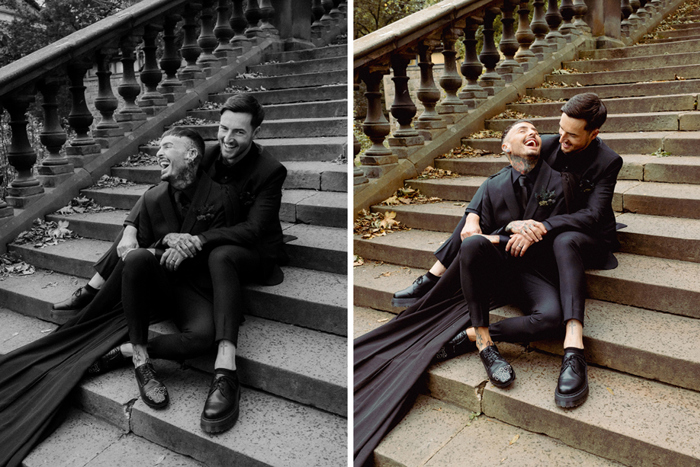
x: 458, y: 345
x: 153, y: 392
x: 500, y: 372
x: 110, y: 361
x: 222, y: 406
x: 76, y: 302
x: 414, y: 292
x: 572, y: 387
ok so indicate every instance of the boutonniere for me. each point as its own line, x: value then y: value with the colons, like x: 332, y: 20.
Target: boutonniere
x: 586, y: 186
x: 546, y: 198
x: 206, y: 212
x: 246, y: 199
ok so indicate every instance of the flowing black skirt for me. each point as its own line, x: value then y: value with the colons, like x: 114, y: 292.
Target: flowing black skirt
x: 35, y: 380
x: 389, y: 360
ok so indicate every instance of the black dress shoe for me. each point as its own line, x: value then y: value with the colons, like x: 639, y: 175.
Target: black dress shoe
x: 76, y: 302
x: 500, y: 372
x: 222, y: 406
x: 458, y: 345
x: 110, y: 361
x: 572, y: 387
x: 414, y: 292
x: 153, y: 392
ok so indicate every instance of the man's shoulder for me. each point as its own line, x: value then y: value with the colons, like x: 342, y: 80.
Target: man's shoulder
x: 605, y: 153
x: 156, y: 191
x: 267, y: 161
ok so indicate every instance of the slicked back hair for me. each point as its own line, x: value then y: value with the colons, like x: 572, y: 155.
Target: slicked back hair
x: 195, y: 139
x: 510, y: 127
x: 247, y: 104
x: 588, y: 107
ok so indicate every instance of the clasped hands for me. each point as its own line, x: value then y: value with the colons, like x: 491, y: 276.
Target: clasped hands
x: 523, y: 235
x: 180, y: 247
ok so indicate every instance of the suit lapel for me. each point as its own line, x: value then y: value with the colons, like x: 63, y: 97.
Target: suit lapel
x: 543, y: 183
x: 509, y: 197
x: 199, y: 199
x: 168, y: 210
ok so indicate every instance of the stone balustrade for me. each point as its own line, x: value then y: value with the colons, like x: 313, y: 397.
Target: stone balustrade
x: 479, y: 77
x: 227, y: 31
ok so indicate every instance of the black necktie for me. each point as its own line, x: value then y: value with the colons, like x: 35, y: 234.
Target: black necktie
x: 183, y: 204
x: 524, y: 191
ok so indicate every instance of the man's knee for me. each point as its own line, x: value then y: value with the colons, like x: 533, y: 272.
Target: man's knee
x: 473, y: 247
x: 228, y: 256
x: 138, y: 258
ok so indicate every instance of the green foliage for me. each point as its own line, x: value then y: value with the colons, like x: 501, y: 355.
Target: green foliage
x: 371, y: 15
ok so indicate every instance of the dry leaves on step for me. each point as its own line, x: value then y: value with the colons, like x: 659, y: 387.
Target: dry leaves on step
x: 140, y: 159
x: 484, y: 134
x: 358, y: 261
x: 81, y: 205
x: 190, y: 121
x: 407, y: 195
x: 431, y: 172
x: 12, y: 265
x: 45, y: 234
x: 107, y: 181
x: 464, y: 152
x: 376, y: 224
x: 512, y: 441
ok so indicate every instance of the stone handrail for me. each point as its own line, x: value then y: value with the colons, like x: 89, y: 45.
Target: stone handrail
x: 232, y: 35
x: 483, y: 84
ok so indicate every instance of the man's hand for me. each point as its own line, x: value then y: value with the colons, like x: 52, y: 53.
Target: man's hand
x: 128, y: 242
x: 185, y: 244
x: 518, y: 245
x: 171, y: 259
x: 471, y: 226
x: 531, y: 229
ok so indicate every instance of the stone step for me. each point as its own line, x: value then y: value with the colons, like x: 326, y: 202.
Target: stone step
x: 308, y: 54
x: 307, y: 298
x: 320, y: 109
x: 83, y: 440
x: 679, y: 33
x: 306, y: 206
x: 643, y: 423
x: 311, y: 175
x: 695, y: 36
x: 653, y: 283
x: 313, y: 247
x: 619, y: 123
x: 665, y: 73
x: 289, y: 94
x: 615, y: 106
x: 675, y: 143
x: 437, y: 433
x: 662, y: 59
x: 641, y: 50
x: 321, y: 65
x: 663, y: 237
x: 670, y: 169
x: 620, y: 90
x: 289, y: 128
x: 299, y: 80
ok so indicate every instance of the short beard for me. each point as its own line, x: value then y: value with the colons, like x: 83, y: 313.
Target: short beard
x: 521, y: 164
x: 184, y: 179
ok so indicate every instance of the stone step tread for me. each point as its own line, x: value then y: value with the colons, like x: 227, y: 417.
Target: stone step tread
x: 620, y: 90
x: 624, y: 76
x: 296, y: 107
x: 277, y: 142
x: 669, y: 102
x: 437, y: 433
x: 84, y: 440
x: 287, y: 67
x: 611, y: 117
x: 283, y: 121
x: 328, y: 51
x: 317, y: 236
x: 270, y: 431
x: 667, y: 56
x: 644, y: 422
x: 638, y: 50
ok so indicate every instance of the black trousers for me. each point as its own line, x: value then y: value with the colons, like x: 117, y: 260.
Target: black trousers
x: 150, y: 293
x: 489, y: 276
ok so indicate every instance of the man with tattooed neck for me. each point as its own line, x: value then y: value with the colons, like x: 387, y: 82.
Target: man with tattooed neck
x: 587, y: 239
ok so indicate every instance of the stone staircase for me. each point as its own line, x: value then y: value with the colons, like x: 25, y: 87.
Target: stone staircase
x: 293, y: 346
x: 642, y: 323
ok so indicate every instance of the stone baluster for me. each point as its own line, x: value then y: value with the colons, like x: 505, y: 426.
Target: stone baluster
x: 580, y: 10
x: 525, y: 37
x: 472, y: 94
x: 171, y: 87
x: 326, y: 19
x: 336, y: 13
x: 239, y: 24
x: 428, y: 92
x: 554, y: 19
x: 655, y: 6
x: 358, y: 175
x: 490, y: 80
x: 642, y: 12
x: 540, y: 29
x: 82, y: 148
x: 451, y: 108
x: 191, y: 74
x: 626, y: 10
x: 130, y: 116
x: 509, y: 68
x: 634, y: 18
x: 378, y: 159
x: 25, y: 188
x: 224, y: 33
x: 107, y: 130
x: 55, y: 167
x: 317, y: 11
x: 567, y: 13
x: 343, y: 7
x: 151, y: 101
x: 253, y: 15
x: 267, y: 14
x: 207, y: 61
x: 405, y: 140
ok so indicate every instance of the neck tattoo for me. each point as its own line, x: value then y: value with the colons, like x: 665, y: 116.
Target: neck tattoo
x: 522, y: 165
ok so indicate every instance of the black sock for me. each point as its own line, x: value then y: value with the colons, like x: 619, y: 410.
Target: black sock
x: 432, y: 276
x: 574, y: 350
x: 225, y: 371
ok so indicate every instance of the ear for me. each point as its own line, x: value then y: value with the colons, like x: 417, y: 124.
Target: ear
x: 191, y: 155
x: 256, y: 131
x: 594, y: 133
x: 505, y: 147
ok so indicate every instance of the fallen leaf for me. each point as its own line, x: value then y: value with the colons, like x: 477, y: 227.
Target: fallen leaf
x: 383, y: 320
x: 515, y: 438
x: 610, y: 390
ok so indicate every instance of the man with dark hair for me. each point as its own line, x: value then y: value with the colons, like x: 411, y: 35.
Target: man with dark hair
x: 585, y: 238
x: 249, y: 248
